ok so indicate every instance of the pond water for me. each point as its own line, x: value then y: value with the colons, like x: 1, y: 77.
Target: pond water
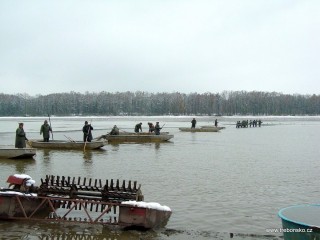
x: 216, y: 183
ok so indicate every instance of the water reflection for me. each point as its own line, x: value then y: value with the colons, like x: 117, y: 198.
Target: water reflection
x: 157, y: 146
x: 40, y: 230
x: 94, y: 233
x: 46, y: 154
x: 20, y: 165
x: 87, y: 156
x: 45, y: 231
x: 114, y: 146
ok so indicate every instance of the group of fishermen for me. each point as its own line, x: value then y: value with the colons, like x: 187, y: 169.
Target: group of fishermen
x: 21, y: 138
x: 247, y: 123
x: 138, y: 128
x: 45, y: 130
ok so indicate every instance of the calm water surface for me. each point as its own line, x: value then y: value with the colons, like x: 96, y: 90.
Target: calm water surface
x: 233, y: 181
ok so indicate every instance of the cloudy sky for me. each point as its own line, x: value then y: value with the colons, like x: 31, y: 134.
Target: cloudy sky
x: 159, y: 46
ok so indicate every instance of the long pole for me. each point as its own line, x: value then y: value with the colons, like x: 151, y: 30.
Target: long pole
x: 70, y: 139
x: 50, y: 126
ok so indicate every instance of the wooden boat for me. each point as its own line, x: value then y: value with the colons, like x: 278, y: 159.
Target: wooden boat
x: 137, y: 137
x: 301, y: 222
x: 67, y: 199
x: 201, y: 129
x: 212, y: 126
x: 16, y: 153
x: 61, y: 144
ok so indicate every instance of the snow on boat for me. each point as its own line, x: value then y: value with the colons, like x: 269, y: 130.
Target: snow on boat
x: 61, y: 144
x: 80, y: 200
x: 137, y: 137
x: 144, y: 214
x: 18, y: 200
x: 16, y: 153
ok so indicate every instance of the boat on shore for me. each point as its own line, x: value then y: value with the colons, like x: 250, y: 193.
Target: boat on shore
x: 18, y: 199
x: 201, y: 129
x: 62, y: 144
x: 136, y: 137
x: 76, y: 200
x: 16, y: 153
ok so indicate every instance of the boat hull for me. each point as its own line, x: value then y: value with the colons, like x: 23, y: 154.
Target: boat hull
x: 17, y: 153
x: 209, y: 126
x: 143, y: 217
x: 14, y: 206
x: 58, y: 199
x: 210, y: 129
x: 138, y: 137
x: 57, y: 144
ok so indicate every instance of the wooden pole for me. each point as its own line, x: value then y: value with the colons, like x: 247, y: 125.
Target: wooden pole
x: 50, y: 126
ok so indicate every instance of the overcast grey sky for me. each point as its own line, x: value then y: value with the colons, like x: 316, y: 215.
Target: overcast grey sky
x: 159, y: 46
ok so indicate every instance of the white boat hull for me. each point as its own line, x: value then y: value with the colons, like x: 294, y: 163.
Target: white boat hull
x: 16, y: 153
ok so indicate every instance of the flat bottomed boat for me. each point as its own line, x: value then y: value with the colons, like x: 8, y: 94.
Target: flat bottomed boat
x: 137, y: 137
x: 61, y: 144
x: 16, y: 153
x: 202, y: 129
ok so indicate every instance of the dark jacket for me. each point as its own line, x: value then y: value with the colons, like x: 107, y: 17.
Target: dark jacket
x: 20, y: 138
x: 157, y: 129
x: 193, y: 123
x: 87, y: 135
x: 45, y: 130
x: 138, y: 128
x: 114, y: 131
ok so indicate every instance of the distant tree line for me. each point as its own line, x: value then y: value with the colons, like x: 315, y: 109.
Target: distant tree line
x: 148, y: 104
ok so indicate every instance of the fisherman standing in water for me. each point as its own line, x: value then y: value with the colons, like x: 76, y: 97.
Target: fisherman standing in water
x: 193, y: 123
